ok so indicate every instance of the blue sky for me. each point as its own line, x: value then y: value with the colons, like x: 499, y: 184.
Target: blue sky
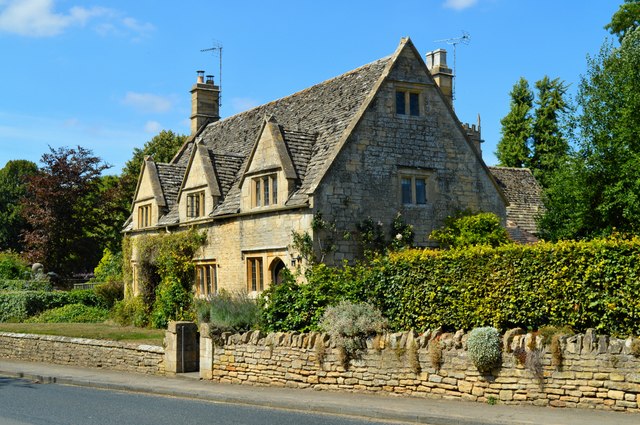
x: 109, y: 75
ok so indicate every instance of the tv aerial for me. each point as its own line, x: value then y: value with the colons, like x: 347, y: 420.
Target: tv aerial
x: 465, y: 38
x: 216, y: 50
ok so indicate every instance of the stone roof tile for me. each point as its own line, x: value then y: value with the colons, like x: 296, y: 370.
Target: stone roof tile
x: 524, y: 195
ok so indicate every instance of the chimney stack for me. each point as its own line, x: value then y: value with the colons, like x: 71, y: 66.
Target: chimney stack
x: 441, y: 73
x: 205, y: 102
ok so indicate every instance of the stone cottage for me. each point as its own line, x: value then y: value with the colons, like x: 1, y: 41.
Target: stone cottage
x: 379, y: 140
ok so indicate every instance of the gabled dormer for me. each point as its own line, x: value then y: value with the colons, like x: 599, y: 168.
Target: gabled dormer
x: 269, y: 177
x: 148, y: 201
x: 200, y: 191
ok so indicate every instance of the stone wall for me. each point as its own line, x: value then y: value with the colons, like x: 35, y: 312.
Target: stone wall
x: 595, y: 372
x: 83, y: 352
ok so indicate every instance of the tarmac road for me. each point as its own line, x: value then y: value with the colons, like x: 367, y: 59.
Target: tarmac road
x: 26, y: 402
x: 352, y: 405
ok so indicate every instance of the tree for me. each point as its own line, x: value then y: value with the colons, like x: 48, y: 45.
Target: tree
x: 13, y: 181
x: 625, y: 20
x: 601, y: 194
x: 549, y: 144
x: 60, y: 209
x: 162, y: 147
x: 513, y: 147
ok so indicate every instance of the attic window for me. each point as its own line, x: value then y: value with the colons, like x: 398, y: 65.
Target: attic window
x: 144, y: 216
x: 265, y: 190
x: 195, y: 204
x: 407, y: 103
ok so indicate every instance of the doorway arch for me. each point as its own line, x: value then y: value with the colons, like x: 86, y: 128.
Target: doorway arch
x: 276, y: 271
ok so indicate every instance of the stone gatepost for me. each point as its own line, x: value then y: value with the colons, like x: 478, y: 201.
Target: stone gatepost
x: 206, y: 352
x: 182, y: 347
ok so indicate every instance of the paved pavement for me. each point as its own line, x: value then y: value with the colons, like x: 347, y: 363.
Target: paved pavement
x: 389, y: 408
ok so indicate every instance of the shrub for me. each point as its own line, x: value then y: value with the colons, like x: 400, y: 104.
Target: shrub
x: 25, y: 285
x: 131, y: 312
x: 348, y: 323
x: 109, y: 269
x: 71, y: 313
x: 293, y: 306
x: 484, y: 348
x: 471, y: 229
x: 17, y: 306
x: 229, y: 312
x: 12, y: 266
x: 109, y: 292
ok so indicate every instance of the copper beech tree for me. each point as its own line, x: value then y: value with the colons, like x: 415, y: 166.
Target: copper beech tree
x: 63, y: 211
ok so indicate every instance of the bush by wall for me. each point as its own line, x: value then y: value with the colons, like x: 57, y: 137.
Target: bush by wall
x: 17, y: 306
x: 594, y: 284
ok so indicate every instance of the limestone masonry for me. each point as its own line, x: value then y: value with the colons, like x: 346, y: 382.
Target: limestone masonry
x: 596, y: 371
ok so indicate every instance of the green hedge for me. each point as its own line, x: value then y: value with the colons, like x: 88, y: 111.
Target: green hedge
x: 25, y: 285
x: 593, y: 284
x: 17, y: 306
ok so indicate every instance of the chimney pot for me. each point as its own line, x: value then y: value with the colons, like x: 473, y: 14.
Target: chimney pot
x: 210, y: 79
x: 200, y: 79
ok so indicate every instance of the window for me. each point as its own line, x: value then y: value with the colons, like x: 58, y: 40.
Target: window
x: 414, y: 190
x: 407, y: 103
x: 144, y: 216
x: 265, y: 190
x: 255, y: 274
x: 206, y: 279
x: 195, y: 204
x: 135, y: 279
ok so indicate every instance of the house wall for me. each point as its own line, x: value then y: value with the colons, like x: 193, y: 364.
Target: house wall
x: 230, y: 242
x: 364, y: 180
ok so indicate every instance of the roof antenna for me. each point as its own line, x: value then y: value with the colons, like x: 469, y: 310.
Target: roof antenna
x: 464, y: 39
x: 216, y: 49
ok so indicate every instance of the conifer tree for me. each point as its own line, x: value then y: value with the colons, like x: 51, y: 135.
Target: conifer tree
x: 549, y: 144
x: 513, y: 147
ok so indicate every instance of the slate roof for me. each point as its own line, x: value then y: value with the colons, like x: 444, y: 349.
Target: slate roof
x: 525, y: 201
x: 312, y: 122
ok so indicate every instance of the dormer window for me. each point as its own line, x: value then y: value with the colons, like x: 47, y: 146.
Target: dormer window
x: 265, y: 190
x: 195, y: 204
x: 144, y: 216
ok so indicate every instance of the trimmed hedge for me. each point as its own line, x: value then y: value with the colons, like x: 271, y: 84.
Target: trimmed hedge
x: 17, y: 306
x: 594, y: 284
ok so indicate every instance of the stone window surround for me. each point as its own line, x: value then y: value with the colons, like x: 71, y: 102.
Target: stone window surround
x: 415, y: 174
x: 264, y: 190
x: 255, y: 274
x: 206, y: 278
x: 408, y: 89
x: 144, y: 216
x: 195, y: 204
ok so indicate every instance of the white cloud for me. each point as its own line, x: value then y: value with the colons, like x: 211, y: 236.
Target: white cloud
x: 147, y: 102
x: 38, y: 18
x: 459, y: 4
x: 152, y: 127
x: 240, y: 104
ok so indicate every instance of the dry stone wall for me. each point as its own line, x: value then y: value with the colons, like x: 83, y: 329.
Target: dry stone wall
x: 83, y: 352
x: 595, y: 371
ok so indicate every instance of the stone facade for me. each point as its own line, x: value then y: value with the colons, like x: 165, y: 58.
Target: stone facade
x: 374, y: 142
x: 596, y: 371
x: 83, y: 352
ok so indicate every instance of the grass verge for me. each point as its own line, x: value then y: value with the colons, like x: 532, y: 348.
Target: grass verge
x: 89, y: 330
